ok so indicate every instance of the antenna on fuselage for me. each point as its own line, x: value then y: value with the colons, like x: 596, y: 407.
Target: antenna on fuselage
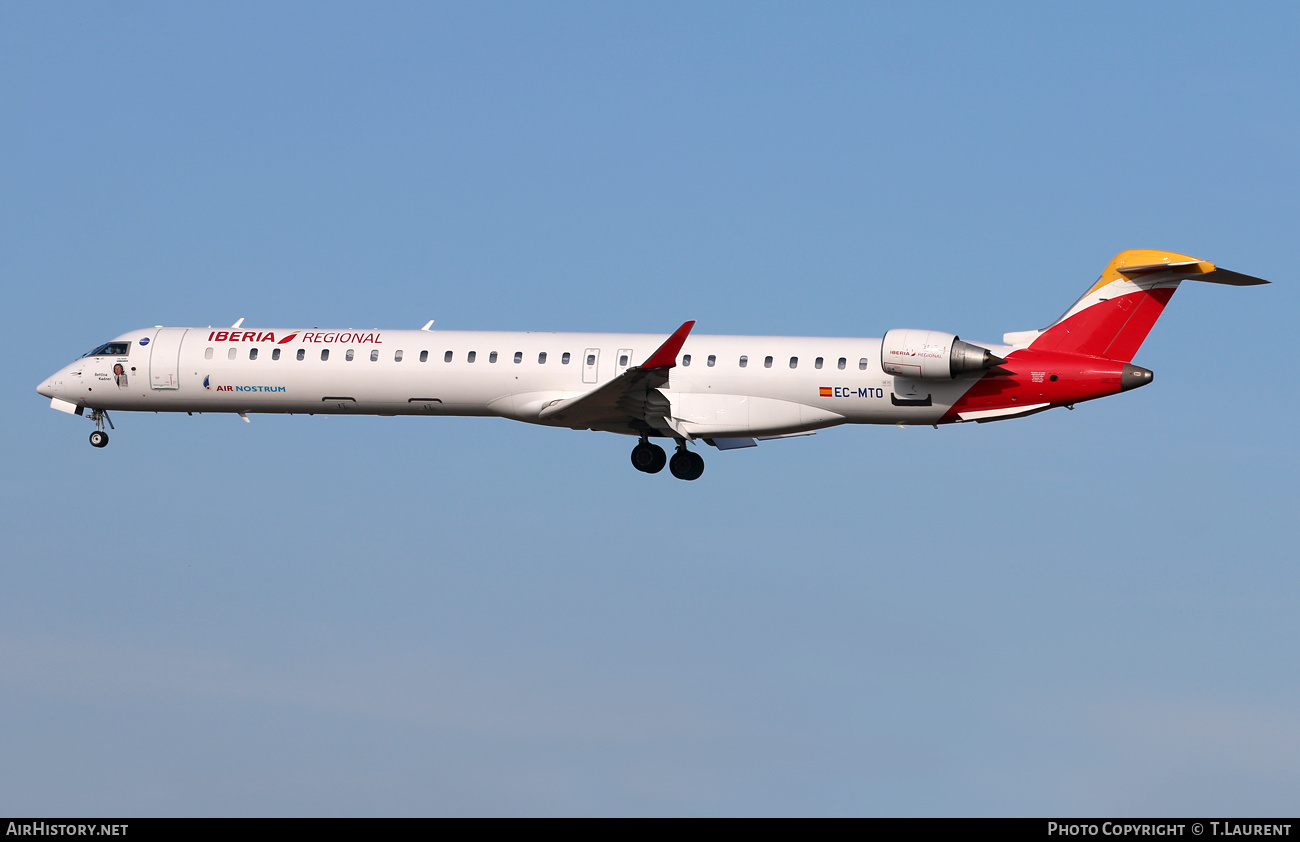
x: 238, y: 323
x: 427, y: 325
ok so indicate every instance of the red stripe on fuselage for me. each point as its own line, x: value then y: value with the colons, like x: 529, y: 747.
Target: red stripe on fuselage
x: 1026, y: 379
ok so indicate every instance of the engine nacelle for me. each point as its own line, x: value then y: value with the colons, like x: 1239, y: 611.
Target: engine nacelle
x: 932, y: 355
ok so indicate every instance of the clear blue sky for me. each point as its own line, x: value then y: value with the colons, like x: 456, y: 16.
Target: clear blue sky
x: 1088, y: 612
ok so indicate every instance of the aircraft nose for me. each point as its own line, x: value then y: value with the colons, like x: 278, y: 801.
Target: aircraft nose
x: 53, y: 386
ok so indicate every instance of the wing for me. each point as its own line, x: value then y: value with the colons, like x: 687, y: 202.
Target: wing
x: 631, y: 402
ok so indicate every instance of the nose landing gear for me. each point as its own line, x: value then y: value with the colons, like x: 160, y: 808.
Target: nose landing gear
x: 99, y: 438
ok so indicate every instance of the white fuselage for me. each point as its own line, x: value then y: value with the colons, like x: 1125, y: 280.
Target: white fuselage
x: 721, y: 385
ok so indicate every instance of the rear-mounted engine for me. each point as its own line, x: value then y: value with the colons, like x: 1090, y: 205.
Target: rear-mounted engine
x: 932, y: 355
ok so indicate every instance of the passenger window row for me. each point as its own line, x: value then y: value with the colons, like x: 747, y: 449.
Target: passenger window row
x: 818, y: 363
x: 350, y: 354
x: 471, y: 356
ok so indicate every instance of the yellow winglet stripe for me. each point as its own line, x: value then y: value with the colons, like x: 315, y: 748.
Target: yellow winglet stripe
x: 1145, y: 260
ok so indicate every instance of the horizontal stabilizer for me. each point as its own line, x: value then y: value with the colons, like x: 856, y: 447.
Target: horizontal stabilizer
x: 1189, y: 266
x: 1191, y: 270
x: 1115, y: 315
x: 1236, y: 279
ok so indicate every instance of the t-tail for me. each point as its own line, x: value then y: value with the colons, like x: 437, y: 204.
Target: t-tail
x: 1115, y: 315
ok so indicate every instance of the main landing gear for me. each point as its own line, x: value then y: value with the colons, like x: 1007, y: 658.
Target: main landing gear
x: 686, y: 464
x: 99, y: 438
x: 650, y: 458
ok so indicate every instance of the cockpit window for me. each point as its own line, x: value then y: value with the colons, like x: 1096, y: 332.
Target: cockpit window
x: 111, y: 349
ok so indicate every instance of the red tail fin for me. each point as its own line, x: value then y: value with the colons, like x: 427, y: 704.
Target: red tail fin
x: 1113, y: 328
x: 1113, y: 317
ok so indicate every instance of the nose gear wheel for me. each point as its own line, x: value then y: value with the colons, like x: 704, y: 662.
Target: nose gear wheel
x: 99, y: 438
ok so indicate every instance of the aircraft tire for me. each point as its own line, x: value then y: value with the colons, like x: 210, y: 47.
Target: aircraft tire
x: 686, y: 465
x: 649, y: 458
x: 99, y: 439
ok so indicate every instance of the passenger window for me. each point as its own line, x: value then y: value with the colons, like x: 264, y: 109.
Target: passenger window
x: 519, y: 357
x: 712, y: 359
x: 349, y: 355
x: 686, y: 360
x: 275, y: 354
x: 591, y: 359
x: 492, y: 357
x: 207, y: 355
x: 324, y: 354
x: 302, y: 353
x: 744, y: 361
x: 794, y: 362
x: 252, y: 353
x: 841, y: 363
x: 541, y: 358
x: 230, y: 355
x: 817, y: 363
x: 862, y: 364
x: 397, y: 356
x: 767, y: 362
x: 374, y: 356
x: 447, y: 357
x: 564, y: 360
x: 424, y: 356
x: 470, y: 356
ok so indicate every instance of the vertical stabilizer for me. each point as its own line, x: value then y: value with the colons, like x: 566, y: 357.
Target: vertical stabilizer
x: 1115, y: 315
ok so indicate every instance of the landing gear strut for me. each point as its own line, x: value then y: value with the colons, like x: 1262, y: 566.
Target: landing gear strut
x: 686, y: 464
x: 99, y: 438
x: 648, y: 458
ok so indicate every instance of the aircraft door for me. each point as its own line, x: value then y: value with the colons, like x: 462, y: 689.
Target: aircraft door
x: 165, y: 358
x: 590, y: 362
x: 622, y: 361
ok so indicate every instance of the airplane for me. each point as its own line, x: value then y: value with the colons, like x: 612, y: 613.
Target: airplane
x: 725, y: 391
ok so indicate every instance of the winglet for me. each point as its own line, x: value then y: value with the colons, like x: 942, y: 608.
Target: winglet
x: 666, y: 356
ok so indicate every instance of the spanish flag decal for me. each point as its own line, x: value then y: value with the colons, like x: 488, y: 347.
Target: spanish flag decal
x: 825, y: 391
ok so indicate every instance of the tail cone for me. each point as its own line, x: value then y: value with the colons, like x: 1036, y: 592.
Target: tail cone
x: 1134, y: 376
